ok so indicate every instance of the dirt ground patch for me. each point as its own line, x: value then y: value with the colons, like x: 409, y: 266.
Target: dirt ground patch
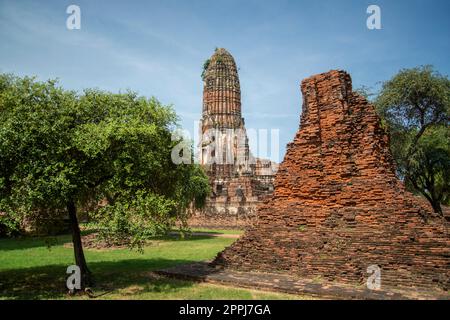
x: 92, y: 241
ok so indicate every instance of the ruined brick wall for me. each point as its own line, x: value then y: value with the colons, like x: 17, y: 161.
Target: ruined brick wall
x: 338, y: 206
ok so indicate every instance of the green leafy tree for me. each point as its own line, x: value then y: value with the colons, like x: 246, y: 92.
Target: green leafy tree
x: 430, y: 167
x: 60, y: 152
x: 413, y: 104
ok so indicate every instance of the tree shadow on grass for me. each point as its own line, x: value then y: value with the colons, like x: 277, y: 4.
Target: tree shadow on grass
x: 49, y: 282
x: 26, y: 242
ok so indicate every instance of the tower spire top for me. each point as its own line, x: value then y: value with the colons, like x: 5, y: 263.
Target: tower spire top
x: 221, y: 91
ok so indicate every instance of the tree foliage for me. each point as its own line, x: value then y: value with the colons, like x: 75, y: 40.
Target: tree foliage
x: 61, y: 152
x: 430, y: 166
x: 415, y: 104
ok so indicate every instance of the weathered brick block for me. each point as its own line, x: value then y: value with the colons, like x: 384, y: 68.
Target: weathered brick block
x: 338, y: 207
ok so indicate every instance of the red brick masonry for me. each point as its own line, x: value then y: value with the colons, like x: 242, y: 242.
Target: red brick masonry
x: 284, y: 282
x: 338, y: 206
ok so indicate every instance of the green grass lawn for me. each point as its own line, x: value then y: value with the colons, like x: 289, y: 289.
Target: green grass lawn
x: 29, y: 270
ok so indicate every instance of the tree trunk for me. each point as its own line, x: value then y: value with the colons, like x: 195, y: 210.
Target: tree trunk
x: 436, y: 204
x: 430, y: 196
x: 80, y: 261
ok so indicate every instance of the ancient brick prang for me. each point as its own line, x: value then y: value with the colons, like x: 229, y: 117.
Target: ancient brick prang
x: 238, y: 180
x: 338, y: 207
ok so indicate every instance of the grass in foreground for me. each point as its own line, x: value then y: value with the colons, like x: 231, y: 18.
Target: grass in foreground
x: 29, y: 270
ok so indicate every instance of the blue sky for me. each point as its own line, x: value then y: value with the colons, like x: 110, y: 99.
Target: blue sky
x: 157, y: 48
